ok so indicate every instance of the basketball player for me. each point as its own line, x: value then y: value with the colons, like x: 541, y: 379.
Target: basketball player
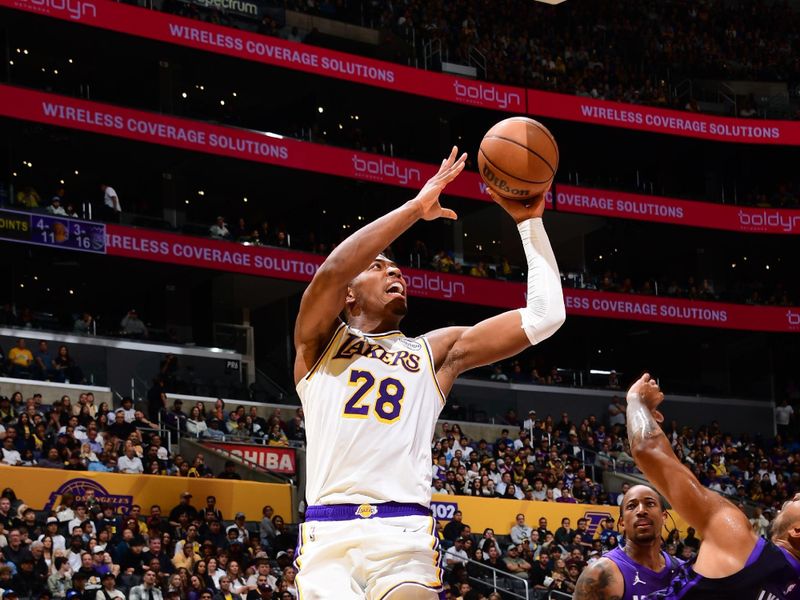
x: 641, y: 566
x: 372, y: 396
x: 732, y: 562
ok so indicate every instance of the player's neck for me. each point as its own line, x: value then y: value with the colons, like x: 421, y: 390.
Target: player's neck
x: 647, y: 555
x: 370, y: 324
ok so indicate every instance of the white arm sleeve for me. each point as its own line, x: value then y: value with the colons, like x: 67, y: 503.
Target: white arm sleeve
x: 544, y: 312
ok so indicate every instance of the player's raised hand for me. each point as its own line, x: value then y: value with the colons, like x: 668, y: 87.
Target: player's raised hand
x: 646, y: 390
x: 428, y: 197
x: 521, y: 210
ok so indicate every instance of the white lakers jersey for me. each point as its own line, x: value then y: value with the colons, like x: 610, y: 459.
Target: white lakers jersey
x: 371, y: 403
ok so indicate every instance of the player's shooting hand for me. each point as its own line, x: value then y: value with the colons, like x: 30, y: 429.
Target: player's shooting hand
x: 428, y: 198
x: 646, y: 390
x: 521, y: 210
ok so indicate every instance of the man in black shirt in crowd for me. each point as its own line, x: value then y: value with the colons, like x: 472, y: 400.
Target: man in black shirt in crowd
x: 229, y: 472
x: 263, y: 590
x: 132, y: 562
x: 155, y: 550
x: 542, y: 529
x: 211, y: 511
x: 453, y: 529
x: 184, y: 507
x: 120, y: 427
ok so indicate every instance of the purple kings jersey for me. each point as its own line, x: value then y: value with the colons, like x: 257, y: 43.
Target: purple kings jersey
x: 641, y: 581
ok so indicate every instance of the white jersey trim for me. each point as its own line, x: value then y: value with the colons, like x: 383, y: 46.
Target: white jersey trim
x: 433, y: 369
x: 325, y: 352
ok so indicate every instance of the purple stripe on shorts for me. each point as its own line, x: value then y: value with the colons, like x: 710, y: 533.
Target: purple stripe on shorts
x: 349, y: 512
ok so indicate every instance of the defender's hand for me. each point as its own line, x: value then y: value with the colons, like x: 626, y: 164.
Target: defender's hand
x: 521, y: 210
x: 646, y: 390
x: 427, y: 201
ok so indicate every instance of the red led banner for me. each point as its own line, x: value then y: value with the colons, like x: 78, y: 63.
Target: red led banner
x: 226, y: 141
x: 275, y: 51
x: 679, y: 212
x: 276, y: 150
x: 300, y: 266
x: 301, y: 57
x: 657, y: 120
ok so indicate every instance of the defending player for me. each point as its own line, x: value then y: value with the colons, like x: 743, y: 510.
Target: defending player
x: 641, y: 566
x: 733, y: 562
x: 372, y: 396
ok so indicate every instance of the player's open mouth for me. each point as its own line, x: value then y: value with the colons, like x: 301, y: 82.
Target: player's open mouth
x: 397, y: 290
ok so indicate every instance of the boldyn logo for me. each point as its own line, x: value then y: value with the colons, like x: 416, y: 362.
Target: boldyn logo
x: 769, y: 220
x: 76, y: 9
x: 435, y: 285
x: 384, y: 170
x: 478, y: 93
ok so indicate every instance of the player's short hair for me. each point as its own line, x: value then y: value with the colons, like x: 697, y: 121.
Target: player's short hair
x: 662, y: 503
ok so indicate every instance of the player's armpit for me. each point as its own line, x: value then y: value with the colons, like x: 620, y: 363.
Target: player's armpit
x: 459, y: 349
x: 600, y: 581
x: 317, y: 321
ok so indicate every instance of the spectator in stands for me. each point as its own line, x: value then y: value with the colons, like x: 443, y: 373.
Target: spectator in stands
x: 130, y: 463
x: 20, y: 360
x: 10, y: 455
x: 456, y: 554
x: 64, y: 367
x: 219, y: 230
x: 230, y: 471
x: 784, y: 416
x: 196, y: 424
x: 55, y: 207
x: 111, y: 203
x: 84, y: 325
x: 520, y: 531
x: 133, y: 326
x: 148, y: 590
x: 176, y: 418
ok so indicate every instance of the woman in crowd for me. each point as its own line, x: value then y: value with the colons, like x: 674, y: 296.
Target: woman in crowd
x: 196, y: 423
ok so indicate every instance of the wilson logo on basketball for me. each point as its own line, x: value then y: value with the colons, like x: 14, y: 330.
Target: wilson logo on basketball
x: 501, y: 185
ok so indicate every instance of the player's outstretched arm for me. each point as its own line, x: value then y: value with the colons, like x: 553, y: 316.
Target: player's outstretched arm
x: 459, y: 349
x: 324, y: 298
x: 599, y: 581
x: 721, y: 524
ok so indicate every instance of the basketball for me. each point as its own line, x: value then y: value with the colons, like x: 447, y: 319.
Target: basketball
x: 518, y: 158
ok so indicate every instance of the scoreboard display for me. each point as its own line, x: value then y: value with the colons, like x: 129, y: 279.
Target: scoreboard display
x: 52, y: 230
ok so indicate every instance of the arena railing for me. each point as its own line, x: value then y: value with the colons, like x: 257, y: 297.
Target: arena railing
x: 500, y: 581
